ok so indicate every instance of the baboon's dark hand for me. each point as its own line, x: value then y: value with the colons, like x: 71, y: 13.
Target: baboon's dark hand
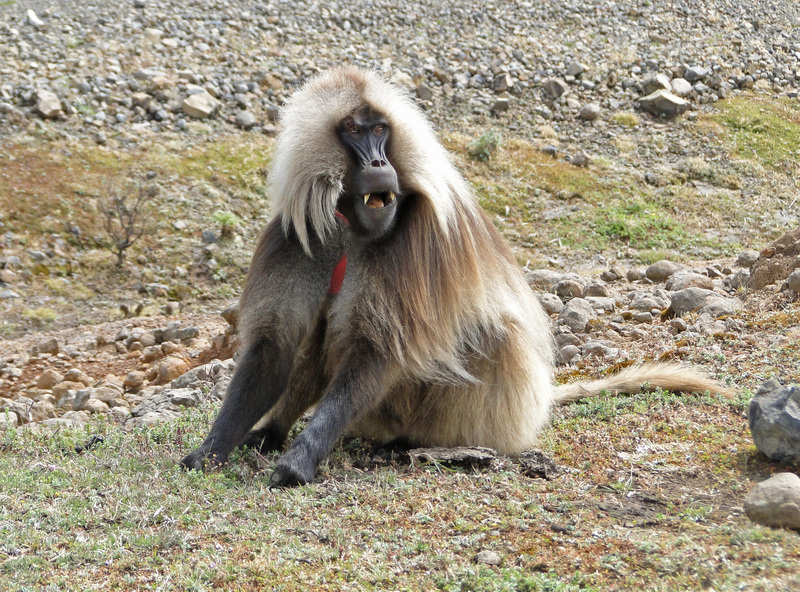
x: 292, y: 469
x: 200, y: 460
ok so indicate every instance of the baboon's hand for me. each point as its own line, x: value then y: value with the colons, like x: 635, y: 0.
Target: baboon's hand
x: 201, y: 460
x: 292, y: 469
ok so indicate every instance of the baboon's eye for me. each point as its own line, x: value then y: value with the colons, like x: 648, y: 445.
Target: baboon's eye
x: 378, y: 130
x: 352, y: 128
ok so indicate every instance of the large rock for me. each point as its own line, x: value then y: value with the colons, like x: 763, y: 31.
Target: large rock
x: 551, y: 303
x: 661, y: 270
x: 655, y: 82
x: 793, y: 281
x: 703, y: 301
x: 688, y: 279
x: 774, y: 416
x: 48, y: 379
x: 590, y: 112
x: 28, y: 411
x: 47, y: 104
x: 200, y: 105
x: 576, y: 315
x: 681, y: 87
x: 48, y: 346
x: 663, y: 103
x: 775, y: 502
x: 170, y: 369
x: 777, y: 261
x: 554, y: 87
x: 543, y: 278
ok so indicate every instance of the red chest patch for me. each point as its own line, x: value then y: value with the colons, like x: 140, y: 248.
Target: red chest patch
x: 337, y: 277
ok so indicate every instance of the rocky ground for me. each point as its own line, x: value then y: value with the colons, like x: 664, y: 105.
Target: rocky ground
x: 142, y: 73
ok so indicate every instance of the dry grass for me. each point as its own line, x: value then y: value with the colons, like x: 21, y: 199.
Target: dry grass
x: 649, y: 497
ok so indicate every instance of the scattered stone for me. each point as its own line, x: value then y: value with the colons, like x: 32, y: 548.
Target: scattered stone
x: 635, y: 275
x: 543, y: 278
x: 34, y: 20
x: 134, y: 381
x: 47, y: 104
x: 170, y: 369
x: 611, y: 275
x: 774, y: 416
x: 656, y: 82
x: 688, y: 279
x: 695, y: 73
x: 184, y: 397
x: 424, y: 93
x: 200, y: 105
x: 66, y: 400
x: 551, y: 303
x: 28, y: 411
x: 575, y: 68
x: 700, y: 300
x: 78, y: 375
x: 567, y: 354
x: 467, y: 456
x: 48, y: 346
x: 536, y: 464
x: 656, y: 37
x: 793, y: 281
x: 48, y: 379
x: 488, y: 558
x: 105, y: 394
x: 747, y: 259
x: 662, y: 270
x: 568, y: 289
x: 663, y: 103
x: 95, y: 406
x: 601, y: 304
x: 502, y: 82
x: 681, y: 87
x: 576, y: 315
x: 61, y: 388
x: 597, y: 290
x: 554, y: 87
x: 740, y: 279
x: 501, y: 105
x: 590, y: 111
x: 8, y: 421
x: 775, y: 502
x: 246, y: 120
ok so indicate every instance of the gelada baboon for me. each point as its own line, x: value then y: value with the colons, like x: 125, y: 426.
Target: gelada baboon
x: 382, y: 293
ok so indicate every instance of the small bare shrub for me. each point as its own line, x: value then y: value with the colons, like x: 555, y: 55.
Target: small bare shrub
x: 125, y: 213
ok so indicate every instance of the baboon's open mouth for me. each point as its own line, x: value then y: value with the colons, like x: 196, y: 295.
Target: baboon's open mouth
x: 379, y: 199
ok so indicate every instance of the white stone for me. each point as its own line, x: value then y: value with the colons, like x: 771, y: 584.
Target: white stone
x: 47, y: 104
x: 200, y: 105
x: 775, y: 502
x: 34, y: 20
x: 681, y: 87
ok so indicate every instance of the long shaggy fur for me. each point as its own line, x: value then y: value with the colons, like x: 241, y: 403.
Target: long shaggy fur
x: 442, y: 299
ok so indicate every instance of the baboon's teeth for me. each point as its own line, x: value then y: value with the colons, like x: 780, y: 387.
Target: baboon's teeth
x: 391, y: 197
x: 366, y: 198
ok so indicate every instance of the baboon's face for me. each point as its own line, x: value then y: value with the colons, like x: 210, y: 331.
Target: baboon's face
x: 371, y: 191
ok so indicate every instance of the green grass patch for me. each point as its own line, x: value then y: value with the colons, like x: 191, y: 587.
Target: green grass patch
x: 539, y: 201
x: 763, y: 129
x: 122, y: 516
